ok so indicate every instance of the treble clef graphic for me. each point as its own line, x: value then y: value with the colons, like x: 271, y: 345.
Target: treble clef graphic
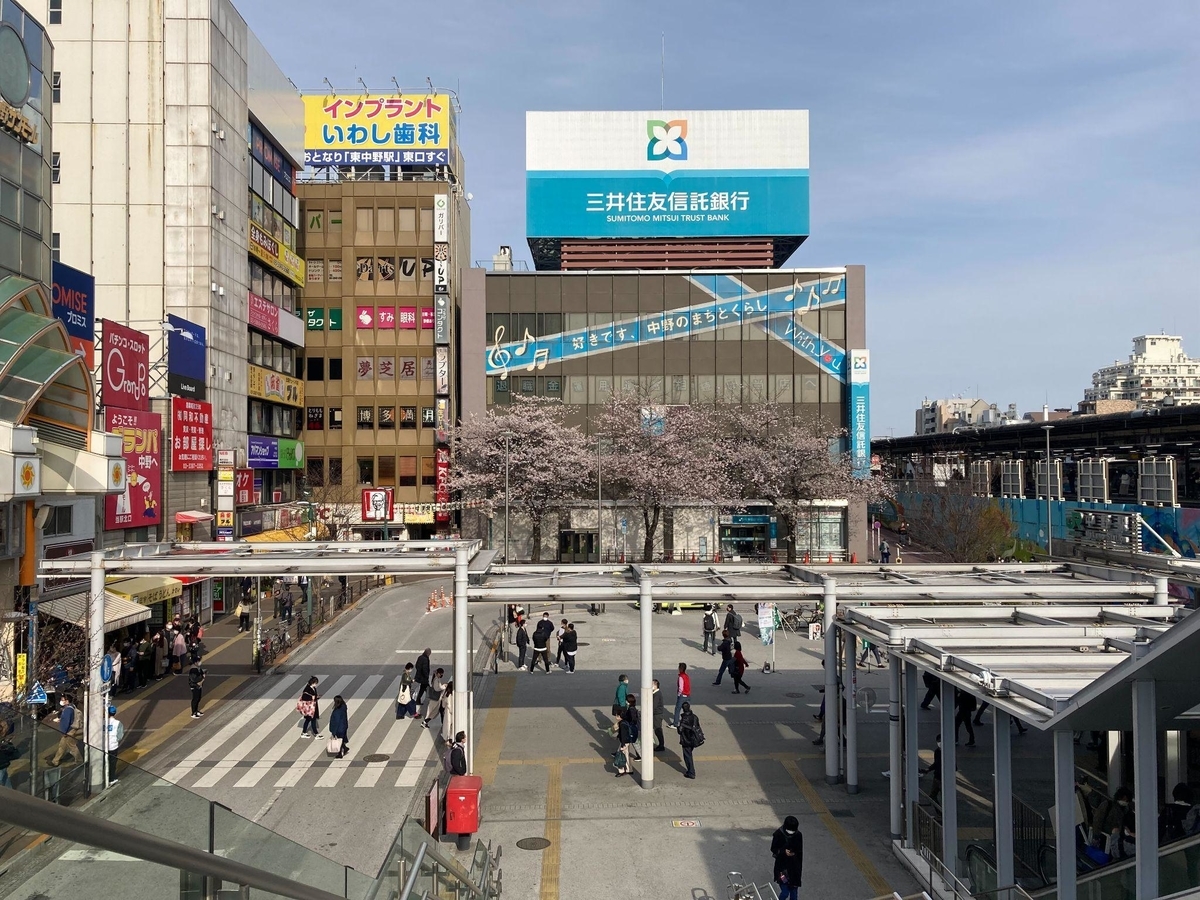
x: 498, y: 357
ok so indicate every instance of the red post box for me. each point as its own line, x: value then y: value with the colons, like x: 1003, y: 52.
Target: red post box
x: 463, y: 801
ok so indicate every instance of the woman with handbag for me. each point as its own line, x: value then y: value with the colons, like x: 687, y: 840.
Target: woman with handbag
x: 405, y: 704
x: 739, y: 669
x: 339, y: 728
x: 625, y: 737
x: 447, y: 707
x: 308, y: 707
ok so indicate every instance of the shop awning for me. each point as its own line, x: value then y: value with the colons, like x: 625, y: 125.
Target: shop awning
x: 192, y: 517
x: 191, y: 579
x: 119, y: 612
x: 147, y: 589
x: 295, y: 533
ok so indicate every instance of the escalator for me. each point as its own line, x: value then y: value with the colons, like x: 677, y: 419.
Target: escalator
x: 1178, y: 871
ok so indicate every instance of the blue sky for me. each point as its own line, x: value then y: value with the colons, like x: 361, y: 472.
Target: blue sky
x: 1022, y: 181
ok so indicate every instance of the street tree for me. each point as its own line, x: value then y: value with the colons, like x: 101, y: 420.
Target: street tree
x: 952, y: 522
x: 549, y: 463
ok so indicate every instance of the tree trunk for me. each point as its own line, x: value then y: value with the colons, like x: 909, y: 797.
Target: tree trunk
x: 535, y: 531
x: 789, y: 527
x: 651, y: 523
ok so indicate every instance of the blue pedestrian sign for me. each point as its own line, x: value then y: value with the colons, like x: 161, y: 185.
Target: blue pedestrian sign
x: 106, y: 669
x: 624, y: 524
x: 37, y: 694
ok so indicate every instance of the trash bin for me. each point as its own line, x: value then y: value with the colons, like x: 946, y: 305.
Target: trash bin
x: 463, y: 800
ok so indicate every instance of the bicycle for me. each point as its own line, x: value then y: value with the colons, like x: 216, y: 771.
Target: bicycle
x: 303, y: 626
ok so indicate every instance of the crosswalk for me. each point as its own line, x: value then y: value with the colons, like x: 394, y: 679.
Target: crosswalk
x: 262, y: 746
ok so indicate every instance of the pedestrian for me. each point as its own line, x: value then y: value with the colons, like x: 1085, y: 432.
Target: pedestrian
x: 145, y: 660
x: 65, y: 720
x: 8, y: 753
x: 437, y: 684
x: 457, y: 757
x: 309, y: 706
x: 570, y: 646
x: 868, y: 647
x: 541, y: 644
x: 690, y: 737
x: 179, y: 651
x: 885, y: 553
x: 339, y: 725
x: 243, y: 614
x: 658, y: 710
x: 196, y: 683
x: 935, y: 768
x: 933, y: 688
x: 683, y: 690
x: 964, y: 704
x: 726, y: 649
x: 619, y: 704
x: 708, y: 627
x: 115, y: 659
x: 405, y: 706
x: 115, y: 733
x: 1179, y: 817
x: 446, y: 709
x: 625, y: 737
x: 634, y: 715
x: 739, y: 669
x: 558, y: 635
x: 1021, y: 729
x: 129, y: 665
x: 522, y: 644
x: 787, y: 846
x: 421, y: 674
x: 733, y: 622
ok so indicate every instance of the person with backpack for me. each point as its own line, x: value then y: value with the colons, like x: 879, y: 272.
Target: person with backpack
x: 1179, y: 816
x: 726, y: 648
x: 437, y: 685
x: 421, y: 674
x: 339, y: 726
x: 454, y: 760
x: 739, y: 669
x: 114, y: 733
x: 733, y: 623
x: 522, y: 640
x: 196, y: 683
x: 787, y: 847
x: 690, y: 737
x: 405, y: 706
x: 569, y: 645
x: 709, y: 629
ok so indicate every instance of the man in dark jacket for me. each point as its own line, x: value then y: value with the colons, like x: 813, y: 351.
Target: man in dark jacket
x: 933, y: 688
x: 964, y: 703
x: 733, y: 623
x: 658, y: 708
x: 458, y: 754
x: 935, y: 768
x: 544, y: 629
x: 421, y: 675
x: 569, y: 645
x: 522, y: 644
x: 726, y: 650
x: 787, y: 846
x: 689, y: 738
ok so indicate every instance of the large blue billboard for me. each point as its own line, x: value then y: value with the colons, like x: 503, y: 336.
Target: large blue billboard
x: 187, y: 356
x: 73, y: 294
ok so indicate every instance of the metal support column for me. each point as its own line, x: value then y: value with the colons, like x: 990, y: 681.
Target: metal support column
x: 1003, y: 796
x: 849, y: 679
x: 1145, y: 789
x: 833, y: 738
x: 97, y: 707
x: 912, y: 762
x: 1116, y: 761
x: 1064, y: 813
x: 895, y: 769
x: 1162, y: 592
x: 1176, y: 761
x: 646, y: 598
x: 462, y: 645
x: 949, y: 781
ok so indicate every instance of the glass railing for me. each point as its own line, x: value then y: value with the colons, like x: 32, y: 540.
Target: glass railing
x: 416, y: 867
x: 1178, y: 870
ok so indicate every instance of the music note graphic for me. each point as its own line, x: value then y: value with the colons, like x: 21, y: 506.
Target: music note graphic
x: 829, y: 285
x: 520, y: 349
x: 788, y: 298
x: 498, y: 357
x: 541, y: 356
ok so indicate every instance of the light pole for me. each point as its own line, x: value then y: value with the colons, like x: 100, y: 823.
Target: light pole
x: 507, y: 435
x: 599, y: 505
x: 1049, y: 525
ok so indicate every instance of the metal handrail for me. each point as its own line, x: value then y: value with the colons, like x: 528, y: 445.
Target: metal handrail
x: 44, y: 817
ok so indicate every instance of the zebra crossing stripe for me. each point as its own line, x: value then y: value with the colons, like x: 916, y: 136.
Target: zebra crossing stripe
x: 364, y: 726
x: 390, y: 743
x: 313, y: 751
x: 416, y: 759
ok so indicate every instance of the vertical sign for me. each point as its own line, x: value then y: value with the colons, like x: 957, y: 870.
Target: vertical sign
x: 441, y: 320
x: 187, y: 357
x: 141, y: 435
x: 441, y: 270
x: 860, y: 412
x: 442, y: 420
x: 125, y: 367
x: 441, y: 218
x: 243, y: 487
x: 442, y: 375
x: 74, y: 297
x: 442, y: 483
x: 191, y: 435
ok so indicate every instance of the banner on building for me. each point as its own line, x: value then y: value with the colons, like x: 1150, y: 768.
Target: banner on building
x: 187, y: 358
x: 366, y: 129
x: 141, y: 436
x: 860, y: 412
x: 441, y: 320
x: 442, y: 482
x: 426, y: 318
x: 125, y: 367
x: 243, y: 494
x: 274, y: 453
x: 74, y: 297
x: 267, y: 385
x: 191, y: 435
x: 441, y: 218
x: 270, y: 251
x: 442, y: 362
x: 377, y: 504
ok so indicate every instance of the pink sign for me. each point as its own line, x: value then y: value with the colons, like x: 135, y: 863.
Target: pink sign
x: 141, y: 434
x: 125, y: 367
x: 426, y: 317
x: 365, y: 317
x: 191, y: 435
x: 408, y: 316
x: 263, y: 314
x: 386, y: 317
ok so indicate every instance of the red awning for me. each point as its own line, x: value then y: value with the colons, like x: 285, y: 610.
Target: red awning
x: 191, y: 517
x: 190, y: 579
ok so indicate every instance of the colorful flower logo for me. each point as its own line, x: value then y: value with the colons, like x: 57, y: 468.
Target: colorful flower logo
x: 28, y: 475
x: 668, y: 140
x: 117, y: 471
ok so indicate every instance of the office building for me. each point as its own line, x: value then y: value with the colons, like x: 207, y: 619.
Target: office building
x: 1157, y: 373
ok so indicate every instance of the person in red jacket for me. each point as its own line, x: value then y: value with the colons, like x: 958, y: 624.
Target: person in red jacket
x: 683, y: 690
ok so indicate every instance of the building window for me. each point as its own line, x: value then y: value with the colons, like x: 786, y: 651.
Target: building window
x: 335, y: 470
x: 408, y: 417
x: 55, y: 244
x: 366, y: 470
x: 387, y: 471
x: 315, y: 418
x: 387, y: 419
x: 56, y: 12
x: 55, y: 167
x: 335, y: 418
x: 316, y: 471
x: 427, y: 417
x: 408, y: 471
x: 58, y: 522
x: 56, y: 87
x: 315, y: 368
x: 366, y: 418
x: 335, y: 368
x: 428, y: 472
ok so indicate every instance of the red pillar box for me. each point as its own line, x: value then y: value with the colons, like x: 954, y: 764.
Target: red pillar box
x: 463, y: 801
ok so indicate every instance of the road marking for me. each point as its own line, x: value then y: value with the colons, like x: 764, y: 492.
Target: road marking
x: 158, y: 736
x: 315, y: 748
x: 233, y: 728
x: 91, y: 854
x: 417, y: 759
x: 552, y: 856
x: 433, y: 652
x: 491, y: 741
x: 264, y: 763
x: 337, y: 768
x: 391, y: 742
x: 875, y: 881
x: 266, y: 807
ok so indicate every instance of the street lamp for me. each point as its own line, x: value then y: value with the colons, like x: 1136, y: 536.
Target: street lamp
x: 1049, y: 523
x: 507, y: 435
x: 599, y: 505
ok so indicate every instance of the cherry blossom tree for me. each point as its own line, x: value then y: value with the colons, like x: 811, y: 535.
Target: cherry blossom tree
x: 549, y: 463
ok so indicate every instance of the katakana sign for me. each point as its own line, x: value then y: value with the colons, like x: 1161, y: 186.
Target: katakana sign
x: 363, y: 129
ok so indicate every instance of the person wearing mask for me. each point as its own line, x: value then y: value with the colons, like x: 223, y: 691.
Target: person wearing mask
x: 339, y: 725
x: 437, y: 685
x: 179, y: 651
x: 1106, y: 824
x: 683, y: 691
x: 522, y: 640
x: 458, y: 754
x: 65, y: 720
x: 733, y: 623
x: 421, y: 674
x: 145, y: 660
x: 690, y: 737
x: 446, y: 710
x: 309, y: 707
x: 114, y: 733
x: 558, y: 636
x: 726, y: 650
x: 658, y: 709
x: 619, y: 704
x: 196, y: 683
x: 935, y: 768
x: 634, y: 715
x: 787, y: 847
x: 405, y: 706
x: 708, y: 629
x: 541, y: 643
x: 569, y: 645
x: 625, y: 739
x: 243, y: 614
x: 739, y: 669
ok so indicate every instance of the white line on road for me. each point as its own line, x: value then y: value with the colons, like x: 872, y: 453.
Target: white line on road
x: 416, y: 760
x: 373, y: 771
x: 267, y: 761
x: 434, y: 652
x: 91, y: 854
x: 313, y: 751
x: 337, y: 768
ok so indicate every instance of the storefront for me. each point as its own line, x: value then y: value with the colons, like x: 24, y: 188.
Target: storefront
x: 747, y: 536
x: 196, y: 598
x: 161, y: 594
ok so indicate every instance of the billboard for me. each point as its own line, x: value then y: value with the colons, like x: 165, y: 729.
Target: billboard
x: 125, y: 367
x: 274, y: 453
x: 373, y: 129
x: 687, y: 174
x: 377, y: 504
x: 141, y: 434
x: 267, y: 385
x: 860, y: 412
x: 74, y: 297
x: 267, y: 249
x: 191, y: 435
x: 187, y: 356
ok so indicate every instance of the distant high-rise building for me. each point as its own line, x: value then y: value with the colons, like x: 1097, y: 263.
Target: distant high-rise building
x: 1157, y: 373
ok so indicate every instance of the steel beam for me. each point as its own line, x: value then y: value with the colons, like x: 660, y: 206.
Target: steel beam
x: 949, y: 780
x: 895, y: 764
x: 1003, y: 797
x: 833, y: 737
x: 646, y: 700
x: 912, y: 789
x: 1064, y: 813
x: 1145, y: 789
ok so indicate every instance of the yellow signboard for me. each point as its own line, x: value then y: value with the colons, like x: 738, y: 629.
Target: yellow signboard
x: 224, y: 518
x: 268, y: 385
x: 22, y: 670
x: 349, y: 129
x: 266, y: 249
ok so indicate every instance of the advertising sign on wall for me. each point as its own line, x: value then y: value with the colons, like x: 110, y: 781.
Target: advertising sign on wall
x: 441, y: 218
x: 860, y: 412
x: 187, y: 358
x: 367, y: 129
x: 698, y: 173
x: 377, y: 504
x: 125, y: 367
x: 268, y: 250
x: 262, y: 314
x: 74, y: 296
x: 141, y: 435
x: 426, y: 317
x: 442, y: 486
x: 274, y: 453
x: 441, y: 320
x: 191, y: 435
x: 244, y: 487
x: 442, y: 361
x: 267, y: 385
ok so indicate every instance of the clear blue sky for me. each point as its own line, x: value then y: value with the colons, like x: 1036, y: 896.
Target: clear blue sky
x: 1022, y: 181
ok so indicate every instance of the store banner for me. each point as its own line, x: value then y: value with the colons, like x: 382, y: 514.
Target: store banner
x: 442, y: 356
x: 125, y: 367
x: 141, y: 435
x: 73, y: 294
x: 187, y: 358
x: 442, y: 486
x: 262, y: 314
x: 191, y: 435
x: 408, y: 317
x: 426, y: 318
x: 377, y: 129
x: 274, y: 453
x: 441, y: 320
x: 441, y: 218
x: 275, y: 387
x: 266, y: 249
x: 385, y: 317
x: 243, y: 493
x: 860, y: 412
x: 251, y: 523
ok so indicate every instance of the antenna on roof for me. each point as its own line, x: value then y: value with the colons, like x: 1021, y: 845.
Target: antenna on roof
x: 332, y: 89
x: 399, y: 93
x: 429, y: 81
x: 364, y: 85
x: 662, y: 73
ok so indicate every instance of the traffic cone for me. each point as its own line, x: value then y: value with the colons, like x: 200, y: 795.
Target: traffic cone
x: 830, y: 559
x: 806, y: 559
x: 853, y: 558
x: 693, y: 557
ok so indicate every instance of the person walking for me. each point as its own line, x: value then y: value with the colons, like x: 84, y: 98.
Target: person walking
x: 114, y: 734
x: 787, y: 846
x: 558, y: 636
x: 683, y: 690
x: 569, y: 647
x: 733, y: 622
x: 620, y: 698
x: 658, y: 710
x: 196, y: 683
x: 933, y: 688
x: 65, y: 720
x: 404, y: 699
x: 446, y: 710
x: 964, y: 704
x: 541, y: 644
x: 726, y: 650
x: 868, y: 647
x: 739, y: 669
x: 309, y: 707
x: 708, y: 627
x: 935, y: 768
x: 1021, y: 729
x: 421, y: 674
x: 522, y: 640
x: 243, y: 614
x: 437, y: 684
x: 690, y: 737
x: 179, y: 651
x: 339, y: 725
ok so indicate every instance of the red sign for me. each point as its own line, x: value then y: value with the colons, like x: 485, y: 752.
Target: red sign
x: 263, y: 314
x: 141, y: 433
x: 442, y: 484
x: 408, y: 316
x: 125, y: 367
x: 426, y: 317
x: 385, y: 317
x: 377, y: 504
x: 243, y: 488
x: 191, y: 435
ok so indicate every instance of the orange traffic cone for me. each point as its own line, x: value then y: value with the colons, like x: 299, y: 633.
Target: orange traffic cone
x: 853, y: 558
x: 806, y: 559
x: 830, y: 559
x: 693, y: 557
